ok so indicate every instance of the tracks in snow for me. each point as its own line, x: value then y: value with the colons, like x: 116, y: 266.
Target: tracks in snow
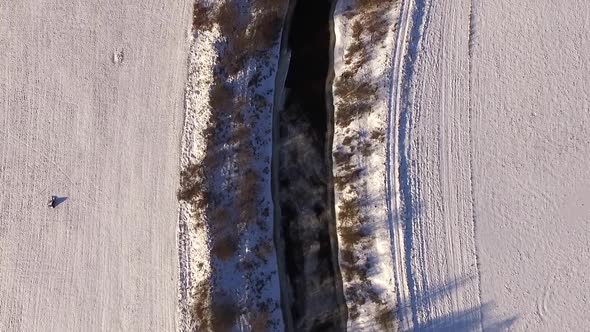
x: 472, y: 40
x: 393, y: 189
x: 429, y: 178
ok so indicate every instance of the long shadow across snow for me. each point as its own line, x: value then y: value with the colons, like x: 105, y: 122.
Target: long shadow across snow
x: 464, y: 321
x: 476, y: 318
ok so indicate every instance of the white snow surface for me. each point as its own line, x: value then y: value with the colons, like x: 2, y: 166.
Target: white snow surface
x: 492, y: 165
x: 91, y: 108
x: 433, y: 170
x: 531, y: 143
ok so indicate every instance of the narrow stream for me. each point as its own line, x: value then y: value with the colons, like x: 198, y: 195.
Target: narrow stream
x: 312, y: 293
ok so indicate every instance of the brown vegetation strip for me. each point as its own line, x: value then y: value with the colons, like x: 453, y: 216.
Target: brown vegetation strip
x: 225, y: 187
x: 355, y: 99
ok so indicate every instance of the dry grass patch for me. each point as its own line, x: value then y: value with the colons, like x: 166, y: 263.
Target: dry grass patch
x: 224, y: 187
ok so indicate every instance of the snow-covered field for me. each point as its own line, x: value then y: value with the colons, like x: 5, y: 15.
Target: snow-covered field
x: 91, y: 108
x: 531, y: 143
x: 492, y: 169
x: 434, y: 172
x: 464, y: 195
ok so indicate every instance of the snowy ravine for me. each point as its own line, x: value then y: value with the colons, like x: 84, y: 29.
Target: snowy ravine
x: 236, y: 284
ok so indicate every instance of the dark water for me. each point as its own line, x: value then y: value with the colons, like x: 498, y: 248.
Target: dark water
x: 304, y: 175
x: 309, y: 41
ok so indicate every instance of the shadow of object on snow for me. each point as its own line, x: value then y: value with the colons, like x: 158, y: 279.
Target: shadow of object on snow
x: 57, y: 200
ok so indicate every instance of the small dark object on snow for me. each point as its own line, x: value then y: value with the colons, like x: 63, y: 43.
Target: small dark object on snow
x: 56, y: 201
x: 52, y: 202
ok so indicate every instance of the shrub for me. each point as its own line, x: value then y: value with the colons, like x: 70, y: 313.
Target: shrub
x: 237, y: 52
x: 349, y: 210
x: 260, y: 321
x: 241, y: 136
x: 190, y: 185
x: 352, y: 51
x: 228, y: 18
x: 352, y: 88
x: 359, y: 271
x: 224, y: 314
x: 357, y: 30
x: 265, y: 30
x: 347, y: 255
x: 275, y: 6
x: 200, y: 311
x: 201, y: 17
x: 351, y: 235
x: 377, y: 27
x: 220, y: 97
x: 249, y: 188
x: 212, y: 160
x: 348, y: 140
x: 220, y: 217
x: 366, y: 148
x: 385, y: 319
x: 348, y: 112
x: 346, y: 177
x: 378, y: 135
x: 225, y: 247
x: 365, y: 5
x: 355, y: 99
x: 263, y: 250
x: 341, y: 157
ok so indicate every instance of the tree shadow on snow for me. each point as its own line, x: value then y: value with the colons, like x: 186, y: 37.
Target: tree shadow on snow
x: 467, y: 320
x: 476, y: 318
